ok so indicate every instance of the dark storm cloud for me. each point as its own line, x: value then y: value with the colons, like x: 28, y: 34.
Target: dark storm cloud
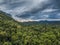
x: 31, y: 10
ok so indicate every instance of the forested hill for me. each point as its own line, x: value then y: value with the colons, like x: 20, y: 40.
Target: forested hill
x: 8, y: 28
x: 14, y: 33
x: 6, y: 20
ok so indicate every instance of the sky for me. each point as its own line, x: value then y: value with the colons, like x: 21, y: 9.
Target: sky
x: 31, y: 10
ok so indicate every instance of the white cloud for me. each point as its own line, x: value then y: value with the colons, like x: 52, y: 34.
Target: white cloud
x: 49, y: 10
x: 45, y: 16
x: 3, y: 7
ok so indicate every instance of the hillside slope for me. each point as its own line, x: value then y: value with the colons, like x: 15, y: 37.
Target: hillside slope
x: 13, y: 33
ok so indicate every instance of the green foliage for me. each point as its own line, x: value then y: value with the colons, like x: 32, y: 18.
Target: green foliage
x: 14, y: 33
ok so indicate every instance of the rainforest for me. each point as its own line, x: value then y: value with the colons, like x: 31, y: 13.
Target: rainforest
x: 28, y: 33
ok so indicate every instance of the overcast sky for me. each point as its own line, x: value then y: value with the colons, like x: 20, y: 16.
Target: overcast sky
x: 31, y: 10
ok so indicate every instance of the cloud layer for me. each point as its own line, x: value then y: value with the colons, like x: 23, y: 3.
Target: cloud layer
x: 31, y: 10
